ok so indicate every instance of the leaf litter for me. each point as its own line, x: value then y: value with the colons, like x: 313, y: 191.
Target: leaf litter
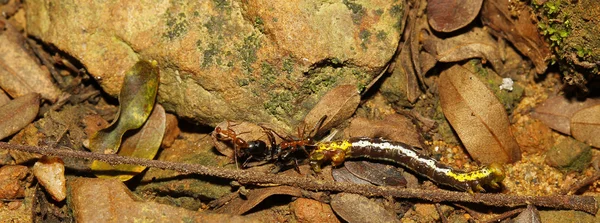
x: 425, y: 80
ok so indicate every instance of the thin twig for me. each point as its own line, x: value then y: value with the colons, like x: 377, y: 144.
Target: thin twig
x: 506, y: 215
x: 441, y: 213
x: 587, y: 181
x: 573, y: 202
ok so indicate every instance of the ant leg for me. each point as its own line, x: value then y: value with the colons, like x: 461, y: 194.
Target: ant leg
x: 317, y: 127
x: 305, y: 151
x: 296, y: 166
x: 245, y: 164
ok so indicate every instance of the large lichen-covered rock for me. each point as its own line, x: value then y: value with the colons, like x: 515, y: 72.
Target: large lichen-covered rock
x: 572, y: 27
x: 260, y: 61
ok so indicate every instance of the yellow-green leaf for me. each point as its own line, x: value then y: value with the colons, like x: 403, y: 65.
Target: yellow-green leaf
x: 136, y: 99
x: 144, y: 143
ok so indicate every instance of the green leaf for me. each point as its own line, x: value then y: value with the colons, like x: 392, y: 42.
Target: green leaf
x: 143, y: 143
x: 137, y: 97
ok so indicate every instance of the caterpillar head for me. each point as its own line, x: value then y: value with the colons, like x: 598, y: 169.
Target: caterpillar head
x: 497, y: 174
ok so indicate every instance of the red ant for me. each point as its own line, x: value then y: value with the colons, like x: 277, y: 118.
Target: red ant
x: 258, y: 150
x: 241, y: 148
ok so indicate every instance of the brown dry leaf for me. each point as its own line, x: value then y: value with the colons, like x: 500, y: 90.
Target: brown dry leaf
x: 338, y: 105
x: 376, y: 173
x: 20, y: 74
x: 357, y: 208
x: 50, y: 172
x: 477, y: 117
x: 556, y: 112
x: 529, y: 215
x: 477, y: 43
x: 3, y: 98
x: 519, y: 30
x: 420, y: 28
x: 585, y: 125
x: 394, y: 127
x: 18, y: 113
x: 450, y: 15
x: 144, y: 143
x: 172, y: 131
x: 344, y: 175
x: 240, y: 206
x: 406, y: 70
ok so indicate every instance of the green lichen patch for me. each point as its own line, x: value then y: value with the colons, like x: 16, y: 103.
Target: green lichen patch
x: 247, y: 52
x: 397, y: 11
x: 177, y: 25
x: 281, y: 103
x: 357, y: 10
x: 365, y: 38
x: 209, y: 54
x: 509, y: 99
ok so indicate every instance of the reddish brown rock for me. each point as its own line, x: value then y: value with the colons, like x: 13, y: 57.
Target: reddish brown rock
x: 13, y: 180
x: 308, y: 210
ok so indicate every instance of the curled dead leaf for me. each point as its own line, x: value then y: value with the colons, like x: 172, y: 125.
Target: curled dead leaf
x: 477, y: 117
x: 3, y: 98
x: 376, y: 173
x: 529, y: 215
x: 556, y: 112
x: 344, y: 175
x: 18, y: 113
x: 136, y: 100
x: 172, y: 131
x: 338, y: 105
x: 585, y: 125
x: 19, y: 72
x: 50, y: 172
x: 519, y: 30
x: 477, y: 43
x: 254, y: 197
x: 450, y: 15
x: 394, y: 127
x: 357, y: 208
x: 143, y: 143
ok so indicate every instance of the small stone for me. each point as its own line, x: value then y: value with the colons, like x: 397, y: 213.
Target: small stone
x: 308, y: 210
x: 13, y: 181
x: 14, y: 205
x: 427, y: 211
x: 50, y: 172
x: 569, y: 155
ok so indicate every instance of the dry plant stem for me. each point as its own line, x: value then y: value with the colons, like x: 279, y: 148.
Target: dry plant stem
x: 573, y: 202
x: 574, y: 188
x: 506, y: 215
x: 441, y: 213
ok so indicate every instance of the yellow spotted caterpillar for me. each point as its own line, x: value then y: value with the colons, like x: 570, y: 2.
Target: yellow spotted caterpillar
x: 407, y: 156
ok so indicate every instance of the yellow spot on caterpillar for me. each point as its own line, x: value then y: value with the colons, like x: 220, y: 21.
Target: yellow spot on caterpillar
x: 334, y: 146
x: 470, y: 176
